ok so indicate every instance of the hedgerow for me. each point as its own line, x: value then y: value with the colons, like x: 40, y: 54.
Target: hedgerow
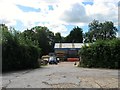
x: 101, y: 54
x: 18, y: 52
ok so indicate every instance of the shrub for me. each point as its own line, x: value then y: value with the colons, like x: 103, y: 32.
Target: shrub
x: 101, y: 54
x: 18, y: 53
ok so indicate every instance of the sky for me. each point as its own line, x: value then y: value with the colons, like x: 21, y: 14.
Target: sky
x: 58, y: 15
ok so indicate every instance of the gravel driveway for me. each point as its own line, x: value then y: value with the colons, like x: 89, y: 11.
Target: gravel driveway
x: 63, y: 75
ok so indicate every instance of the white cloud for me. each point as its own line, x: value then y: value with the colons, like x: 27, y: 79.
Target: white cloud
x: 8, y: 13
x: 56, y: 28
x: 59, y: 28
x: 102, y: 1
x: 69, y: 12
x: 103, y: 10
x: 74, y: 14
x: 65, y: 12
x: 29, y: 3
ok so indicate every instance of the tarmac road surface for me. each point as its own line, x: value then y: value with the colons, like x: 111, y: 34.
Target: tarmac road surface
x: 63, y: 75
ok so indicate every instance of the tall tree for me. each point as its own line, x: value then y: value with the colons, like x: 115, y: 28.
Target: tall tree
x: 50, y: 36
x: 29, y: 36
x: 97, y: 30
x: 58, y: 37
x: 44, y: 37
x: 75, y: 35
x: 108, y: 30
x: 88, y: 37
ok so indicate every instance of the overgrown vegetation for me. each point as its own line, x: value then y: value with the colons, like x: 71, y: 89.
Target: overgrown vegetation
x: 104, y: 50
x: 76, y: 35
x: 18, y: 52
x: 100, y: 31
x: 21, y: 50
x: 101, y: 54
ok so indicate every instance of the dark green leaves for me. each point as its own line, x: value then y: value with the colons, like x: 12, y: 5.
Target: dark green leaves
x: 18, y: 51
x: 100, y: 31
x: 75, y: 35
x: 101, y: 54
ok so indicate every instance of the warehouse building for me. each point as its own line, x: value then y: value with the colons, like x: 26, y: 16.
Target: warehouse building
x: 68, y: 51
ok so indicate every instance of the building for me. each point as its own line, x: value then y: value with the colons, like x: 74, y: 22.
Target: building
x: 68, y: 51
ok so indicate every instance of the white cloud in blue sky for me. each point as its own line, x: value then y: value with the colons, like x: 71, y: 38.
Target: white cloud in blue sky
x: 57, y: 15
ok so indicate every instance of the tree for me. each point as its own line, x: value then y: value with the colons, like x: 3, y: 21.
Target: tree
x: 103, y: 31
x: 108, y: 30
x: 29, y: 34
x: 44, y: 37
x: 88, y: 37
x: 75, y: 35
x: 18, y: 52
x: 51, y: 40
x: 58, y: 37
x: 29, y: 37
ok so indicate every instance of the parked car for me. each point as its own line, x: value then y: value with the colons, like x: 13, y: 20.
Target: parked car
x: 44, y: 60
x: 52, y: 60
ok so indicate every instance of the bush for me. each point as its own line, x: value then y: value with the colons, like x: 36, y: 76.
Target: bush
x: 18, y: 53
x: 101, y: 54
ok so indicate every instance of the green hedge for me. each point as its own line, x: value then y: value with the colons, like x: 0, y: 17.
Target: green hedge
x: 17, y: 53
x: 101, y: 54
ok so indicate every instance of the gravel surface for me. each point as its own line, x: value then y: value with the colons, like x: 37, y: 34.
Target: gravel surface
x: 63, y: 75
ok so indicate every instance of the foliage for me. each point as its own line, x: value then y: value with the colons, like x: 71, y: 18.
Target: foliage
x: 22, y: 49
x: 100, y: 31
x: 18, y: 52
x: 45, y: 38
x: 75, y: 35
x: 58, y: 37
x: 101, y: 54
